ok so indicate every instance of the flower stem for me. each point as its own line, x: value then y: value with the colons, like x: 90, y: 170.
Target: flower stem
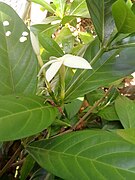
x: 40, y: 62
x: 62, y: 83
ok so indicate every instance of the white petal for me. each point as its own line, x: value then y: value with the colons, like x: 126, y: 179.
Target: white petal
x: 52, y: 70
x: 45, y: 65
x: 35, y: 43
x: 75, y: 62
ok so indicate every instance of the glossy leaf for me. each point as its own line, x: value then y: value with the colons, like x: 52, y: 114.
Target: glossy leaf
x: 60, y: 7
x: 50, y: 45
x: 18, y: 63
x: 23, y: 116
x: 100, y: 11
x: 79, y: 8
x: 110, y: 67
x: 86, y: 155
x: 124, y: 17
x: 125, y: 109
x: 45, y: 5
x: 127, y: 134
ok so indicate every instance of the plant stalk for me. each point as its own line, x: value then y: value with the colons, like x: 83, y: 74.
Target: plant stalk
x: 40, y: 62
x: 62, y: 83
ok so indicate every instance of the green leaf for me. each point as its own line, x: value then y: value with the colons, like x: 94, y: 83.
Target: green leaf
x: 23, y: 116
x: 18, y: 63
x: 94, y: 96
x: 79, y: 8
x: 86, y: 155
x: 73, y: 107
x: 127, y: 134
x: 50, y: 45
x: 100, y: 11
x: 125, y: 109
x: 65, y: 38
x: 124, y: 17
x: 133, y: 8
x: 60, y: 7
x: 110, y: 67
x: 68, y: 19
x: 45, y: 5
x: 27, y: 167
x: 109, y: 113
x: 86, y: 37
x: 124, y: 42
x: 47, y: 29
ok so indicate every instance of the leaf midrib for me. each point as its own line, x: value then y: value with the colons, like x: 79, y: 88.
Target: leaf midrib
x: 23, y: 112
x: 82, y: 157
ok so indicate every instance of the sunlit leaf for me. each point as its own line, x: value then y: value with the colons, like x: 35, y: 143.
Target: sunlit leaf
x: 79, y: 8
x: 45, y: 5
x: 60, y: 7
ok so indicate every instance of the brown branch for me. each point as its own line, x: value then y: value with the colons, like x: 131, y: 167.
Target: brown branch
x: 18, y: 163
x: 92, y: 109
x: 12, y: 159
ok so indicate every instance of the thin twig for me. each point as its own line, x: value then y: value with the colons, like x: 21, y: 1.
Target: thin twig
x: 92, y: 109
x: 18, y: 163
x: 12, y: 159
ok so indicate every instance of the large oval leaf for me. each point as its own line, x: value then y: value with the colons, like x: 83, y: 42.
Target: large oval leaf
x: 18, y: 63
x: 86, y: 155
x: 23, y: 116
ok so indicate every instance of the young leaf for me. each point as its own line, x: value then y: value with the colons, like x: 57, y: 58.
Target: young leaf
x: 125, y: 109
x: 18, y: 63
x: 100, y: 11
x: 50, y: 45
x: 124, y: 17
x: 86, y: 155
x: 47, y: 29
x: 66, y: 38
x: 79, y: 8
x: 45, y: 5
x: 60, y: 7
x: 23, y: 116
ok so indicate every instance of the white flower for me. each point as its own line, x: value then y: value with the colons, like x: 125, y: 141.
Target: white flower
x: 67, y: 60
